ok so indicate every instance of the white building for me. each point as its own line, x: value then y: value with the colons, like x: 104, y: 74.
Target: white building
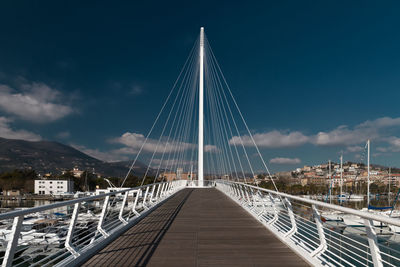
x: 53, y: 187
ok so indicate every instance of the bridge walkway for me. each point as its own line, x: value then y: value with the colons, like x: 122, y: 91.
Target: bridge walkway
x: 197, y: 227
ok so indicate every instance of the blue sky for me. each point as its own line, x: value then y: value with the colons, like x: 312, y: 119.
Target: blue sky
x: 313, y: 78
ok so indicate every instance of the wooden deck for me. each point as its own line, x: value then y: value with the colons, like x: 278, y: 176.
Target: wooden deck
x: 197, y: 227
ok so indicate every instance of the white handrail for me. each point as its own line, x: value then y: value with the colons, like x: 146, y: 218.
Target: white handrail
x: 12, y: 214
x: 76, y: 248
x: 319, y: 243
x: 359, y: 213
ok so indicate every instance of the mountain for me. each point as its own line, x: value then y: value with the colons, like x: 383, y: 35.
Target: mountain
x: 54, y: 157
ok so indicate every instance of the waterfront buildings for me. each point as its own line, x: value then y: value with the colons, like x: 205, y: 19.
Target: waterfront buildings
x: 53, y: 187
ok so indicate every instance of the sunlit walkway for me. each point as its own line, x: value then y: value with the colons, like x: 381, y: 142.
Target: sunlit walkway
x: 197, y: 227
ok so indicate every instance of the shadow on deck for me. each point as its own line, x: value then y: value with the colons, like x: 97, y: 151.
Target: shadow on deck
x: 197, y: 227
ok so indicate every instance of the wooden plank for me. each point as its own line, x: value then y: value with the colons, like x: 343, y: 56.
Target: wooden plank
x: 197, y: 227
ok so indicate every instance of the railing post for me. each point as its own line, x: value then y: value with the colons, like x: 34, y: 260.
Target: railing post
x: 229, y: 188
x: 243, y: 192
x: 162, y: 190
x: 13, y: 242
x: 373, y: 243
x: 71, y: 228
x: 152, y: 193
x: 102, y: 217
x: 293, y: 230
x: 262, y: 201
x: 247, y: 196
x: 145, y: 197
x: 238, y: 192
x: 253, y: 196
x: 242, y: 195
x: 158, y: 190
x: 121, y: 211
x: 323, y: 245
x: 250, y: 196
x: 170, y: 187
x: 166, y: 191
x: 138, y: 192
x: 233, y: 189
x: 276, y: 214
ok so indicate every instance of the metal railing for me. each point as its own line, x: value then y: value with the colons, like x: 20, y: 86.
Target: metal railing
x: 321, y: 233
x: 67, y: 232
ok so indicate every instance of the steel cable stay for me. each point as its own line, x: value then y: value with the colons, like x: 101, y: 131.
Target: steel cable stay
x: 158, y: 116
x: 182, y: 104
x: 241, y: 116
x: 186, y: 133
x: 166, y: 144
x: 221, y: 121
x: 173, y: 161
x: 225, y: 121
x: 238, y: 134
x: 164, y: 127
x: 170, y: 147
x: 215, y: 135
x: 220, y: 124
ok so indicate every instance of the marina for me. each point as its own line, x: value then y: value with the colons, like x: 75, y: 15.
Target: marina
x: 106, y: 160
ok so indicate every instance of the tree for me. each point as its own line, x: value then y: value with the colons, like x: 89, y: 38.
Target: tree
x: 18, y: 179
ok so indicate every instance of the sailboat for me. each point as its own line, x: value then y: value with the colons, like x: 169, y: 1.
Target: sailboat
x: 346, y: 196
x: 355, y: 221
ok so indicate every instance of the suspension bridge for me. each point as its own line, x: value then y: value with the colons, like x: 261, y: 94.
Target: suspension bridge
x: 203, y: 207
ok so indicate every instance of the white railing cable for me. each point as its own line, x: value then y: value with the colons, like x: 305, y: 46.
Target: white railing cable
x: 297, y: 222
x: 102, y: 219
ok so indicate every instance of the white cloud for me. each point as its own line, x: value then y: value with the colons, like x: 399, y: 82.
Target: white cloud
x: 272, y: 139
x: 383, y: 149
x: 340, y: 136
x: 63, y: 135
x: 343, y: 135
x: 381, y: 123
x: 355, y: 149
x: 133, y: 142
x: 7, y: 132
x: 35, y: 102
x: 110, y: 156
x: 165, y: 163
x: 136, y: 90
x: 211, y: 148
x: 394, y: 145
x: 394, y: 141
x: 285, y: 161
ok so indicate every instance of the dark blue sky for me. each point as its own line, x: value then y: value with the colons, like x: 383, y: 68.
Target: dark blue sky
x: 86, y: 73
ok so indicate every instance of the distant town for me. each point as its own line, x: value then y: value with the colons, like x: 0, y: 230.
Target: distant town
x: 320, y: 178
x: 317, y: 179
x: 73, y: 183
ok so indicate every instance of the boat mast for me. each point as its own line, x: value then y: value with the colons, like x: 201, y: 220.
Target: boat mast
x: 390, y: 181
x: 341, y: 176
x: 201, y: 109
x: 330, y: 178
x: 368, y: 147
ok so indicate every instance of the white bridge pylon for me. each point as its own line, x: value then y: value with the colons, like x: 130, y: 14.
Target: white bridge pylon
x: 225, y: 146
x: 201, y: 111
